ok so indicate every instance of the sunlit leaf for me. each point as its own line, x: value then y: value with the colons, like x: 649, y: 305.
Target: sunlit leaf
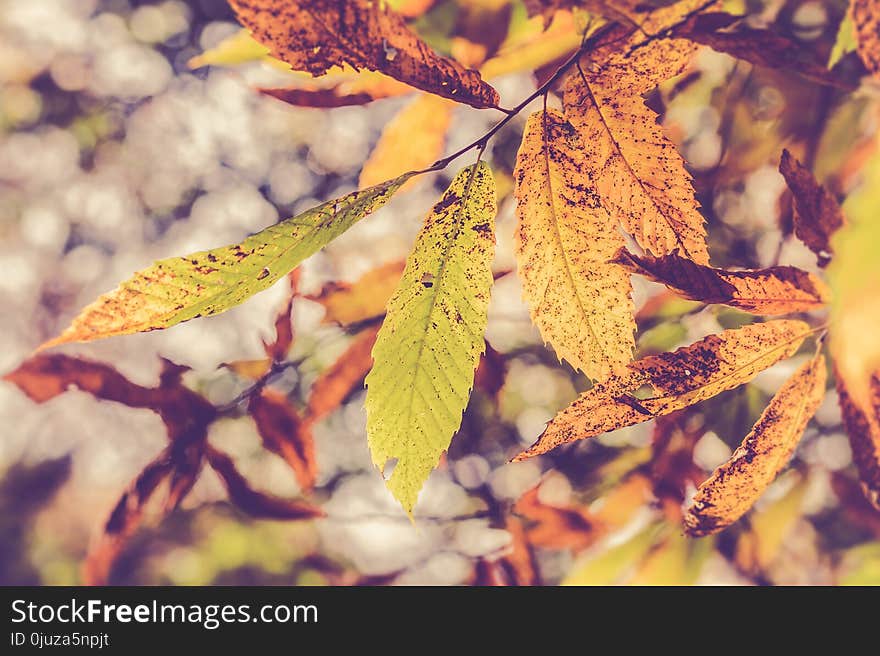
x: 209, y: 282
x: 432, y: 337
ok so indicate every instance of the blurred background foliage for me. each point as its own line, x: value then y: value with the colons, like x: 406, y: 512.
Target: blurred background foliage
x: 114, y: 151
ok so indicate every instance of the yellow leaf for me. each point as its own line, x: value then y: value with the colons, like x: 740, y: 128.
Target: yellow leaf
x: 735, y: 486
x: 634, y: 169
x: 412, y: 141
x: 681, y: 378
x: 361, y: 300
x: 564, y: 240
x: 759, y: 546
x: 609, y: 565
x: 539, y: 49
x: 240, y: 48
x: 675, y: 561
x: 430, y: 343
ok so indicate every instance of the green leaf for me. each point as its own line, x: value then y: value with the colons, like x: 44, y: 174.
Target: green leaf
x: 432, y: 337
x: 210, y: 282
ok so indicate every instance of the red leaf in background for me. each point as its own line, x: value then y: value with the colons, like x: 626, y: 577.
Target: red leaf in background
x: 253, y: 502
x: 285, y: 434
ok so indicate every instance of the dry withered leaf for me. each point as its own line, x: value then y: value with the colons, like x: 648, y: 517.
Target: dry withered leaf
x: 680, y: 378
x: 558, y: 527
x: 818, y: 213
x: 771, y: 291
x: 317, y: 35
x: 361, y: 300
x: 175, y: 471
x: 756, y: 46
x: 44, y: 377
x: 285, y: 434
x: 564, y: 240
x: 343, y: 377
x: 339, y: 88
x: 733, y: 488
x: 411, y: 141
x: 862, y: 422
x: 866, y: 17
x: 277, y: 350
x: 635, y: 170
x: 626, y: 11
x: 491, y: 372
x: 253, y: 502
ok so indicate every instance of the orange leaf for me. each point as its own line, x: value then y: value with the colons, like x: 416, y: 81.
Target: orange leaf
x: 862, y: 424
x: 317, y: 35
x: 776, y: 290
x: 681, y: 378
x: 734, y: 487
x: 345, y: 375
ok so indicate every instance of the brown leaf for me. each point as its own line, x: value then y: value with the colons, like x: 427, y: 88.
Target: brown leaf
x: 343, y: 377
x: 176, y: 468
x: 285, y: 434
x: 866, y: 16
x: 319, y: 34
x: 556, y: 527
x: 491, y: 372
x: 44, y: 377
x: 277, y: 350
x: 362, y: 300
x: 818, y: 214
x: 680, y: 378
x: 756, y: 46
x: 733, y: 488
x: 519, y: 563
x: 255, y: 503
x: 339, y: 89
x: 863, y: 427
x: 775, y: 290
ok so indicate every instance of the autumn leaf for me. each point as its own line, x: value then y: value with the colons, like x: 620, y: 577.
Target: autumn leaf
x: 253, y: 502
x: 775, y: 290
x: 564, y: 240
x: 131, y: 510
x: 762, y: 544
x: 626, y: 11
x: 854, y: 277
x: 862, y: 423
x: 432, y: 337
x: 317, y: 35
x: 866, y: 18
x: 285, y: 434
x: 239, y: 48
x: 757, y: 46
x: 818, y: 214
x: 535, y: 49
x: 681, y: 378
x: 733, y: 488
x: 184, y: 412
x: 674, y: 561
x: 343, y: 377
x: 845, y: 42
x: 361, y: 300
x: 412, y: 141
x: 558, y: 527
x: 277, y: 349
x: 209, y: 282
x: 634, y: 169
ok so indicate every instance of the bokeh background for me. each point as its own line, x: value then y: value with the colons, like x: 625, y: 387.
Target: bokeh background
x: 113, y: 153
